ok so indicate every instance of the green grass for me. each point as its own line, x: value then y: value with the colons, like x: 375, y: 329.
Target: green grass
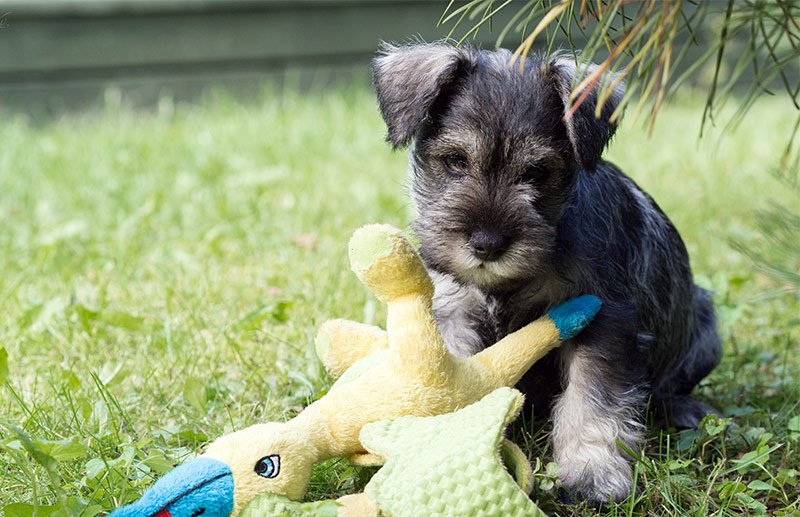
x: 162, y: 275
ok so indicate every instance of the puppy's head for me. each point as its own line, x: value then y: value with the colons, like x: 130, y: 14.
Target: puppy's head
x: 493, y: 160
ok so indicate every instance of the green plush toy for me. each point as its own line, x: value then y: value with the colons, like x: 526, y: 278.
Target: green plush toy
x: 450, y: 465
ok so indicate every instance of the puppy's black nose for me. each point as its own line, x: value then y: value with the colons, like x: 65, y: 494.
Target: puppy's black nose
x: 488, y: 245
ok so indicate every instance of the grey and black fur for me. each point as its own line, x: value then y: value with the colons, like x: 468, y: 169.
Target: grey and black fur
x: 517, y: 212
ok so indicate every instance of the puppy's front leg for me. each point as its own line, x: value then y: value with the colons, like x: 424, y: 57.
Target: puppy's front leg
x: 602, y: 404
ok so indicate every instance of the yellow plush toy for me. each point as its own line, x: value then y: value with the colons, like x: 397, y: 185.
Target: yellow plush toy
x: 412, y: 373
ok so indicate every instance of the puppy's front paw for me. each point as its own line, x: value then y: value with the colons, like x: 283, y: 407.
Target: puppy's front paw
x: 586, y: 441
x: 595, y: 483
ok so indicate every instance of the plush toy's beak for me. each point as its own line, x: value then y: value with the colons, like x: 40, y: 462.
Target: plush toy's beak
x: 199, y: 487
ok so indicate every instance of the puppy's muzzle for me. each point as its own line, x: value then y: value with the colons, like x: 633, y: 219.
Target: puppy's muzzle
x: 488, y: 245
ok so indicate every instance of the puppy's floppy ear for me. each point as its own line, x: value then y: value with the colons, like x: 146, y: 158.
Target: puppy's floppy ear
x: 409, y: 79
x: 587, y: 133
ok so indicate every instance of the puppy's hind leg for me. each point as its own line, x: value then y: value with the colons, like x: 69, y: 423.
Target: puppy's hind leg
x: 671, y: 402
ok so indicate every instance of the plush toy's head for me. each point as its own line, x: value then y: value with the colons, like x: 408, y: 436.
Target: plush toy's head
x: 266, y: 458
x: 273, y: 457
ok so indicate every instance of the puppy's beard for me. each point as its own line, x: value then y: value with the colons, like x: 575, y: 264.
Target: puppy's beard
x: 497, y: 274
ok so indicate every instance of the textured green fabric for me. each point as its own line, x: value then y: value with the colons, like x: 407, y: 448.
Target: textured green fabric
x: 361, y: 366
x: 274, y: 505
x: 447, y: 465
x: 365, y: 247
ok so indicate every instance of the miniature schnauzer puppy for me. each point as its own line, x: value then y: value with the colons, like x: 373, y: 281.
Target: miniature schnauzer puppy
x: 517, y: 213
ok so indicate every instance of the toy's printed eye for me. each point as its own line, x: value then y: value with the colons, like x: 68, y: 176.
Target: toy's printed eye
x: 533, y: 173
x: 268, y: 466
x: 455, y: 164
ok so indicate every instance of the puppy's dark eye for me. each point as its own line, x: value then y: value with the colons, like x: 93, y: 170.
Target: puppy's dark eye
x: 455, y: 164
x: 533, y: 173
x: 268, y: 466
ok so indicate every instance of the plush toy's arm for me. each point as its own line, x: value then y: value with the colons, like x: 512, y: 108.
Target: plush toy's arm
x: 509, y: 359
x: 340, y: 343
x: 415, y: 343
x: 385, y: 262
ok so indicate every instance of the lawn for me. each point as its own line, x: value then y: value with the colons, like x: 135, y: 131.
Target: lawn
x: 163, y: 274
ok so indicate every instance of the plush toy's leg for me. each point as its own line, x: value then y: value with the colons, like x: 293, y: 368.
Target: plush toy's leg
x: 509, y: 359
x: 386, y: 263
x: 356, y: 505
x: 512, y: 356
x: 340, y: 343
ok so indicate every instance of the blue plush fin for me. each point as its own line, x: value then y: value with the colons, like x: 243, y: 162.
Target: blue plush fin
x: 574, y: 315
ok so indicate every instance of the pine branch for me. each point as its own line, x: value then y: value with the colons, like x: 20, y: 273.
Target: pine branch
x: 639, y: 46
